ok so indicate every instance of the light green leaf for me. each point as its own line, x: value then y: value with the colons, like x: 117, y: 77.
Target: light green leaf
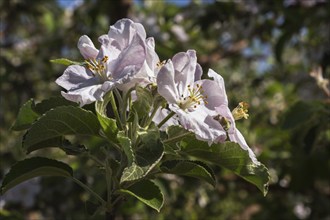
x: 33, y: 167
x: 26, y: 116
x: 230, y: 156
x: 147, y: 192
x: 108, y: 125
x: 63, y: 120
x: 66, y: 62
x: 189, y: 168
x: 131, y: 173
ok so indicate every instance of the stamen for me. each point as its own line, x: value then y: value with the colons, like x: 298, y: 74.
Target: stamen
x: 241, y: 111
x: 194, y: 98
x: 97, y: 67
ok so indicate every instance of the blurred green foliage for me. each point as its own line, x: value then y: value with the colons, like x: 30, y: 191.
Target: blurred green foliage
x: 265, y: 50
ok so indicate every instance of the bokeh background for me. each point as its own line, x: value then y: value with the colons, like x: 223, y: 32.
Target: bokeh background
x: 275, y: 55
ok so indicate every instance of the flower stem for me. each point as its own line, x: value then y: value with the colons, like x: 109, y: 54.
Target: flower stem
x: 90, y: 191
x: 176, y: 138
x: 166, y: 119
x: 115, y: 110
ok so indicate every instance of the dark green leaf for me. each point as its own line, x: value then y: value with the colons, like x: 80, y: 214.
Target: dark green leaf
x: 26, y: 116
x: 190, y: 168
x: 126, y: 144
x: 144, y: 101
x: 63, y: 120
x: 51, y: 103
x: 33, y: 167
x: 230, y: 156
x: 147, y: 192
x: 66, y: 62
x: 147, y: 156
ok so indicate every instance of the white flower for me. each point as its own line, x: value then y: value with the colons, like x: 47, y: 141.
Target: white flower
x: 179, y: 82
x: 227, y: 118
x: 120, y: 58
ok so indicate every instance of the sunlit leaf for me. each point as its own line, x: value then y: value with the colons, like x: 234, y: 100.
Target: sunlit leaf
x: 26, y: 116
x: 230, y: 156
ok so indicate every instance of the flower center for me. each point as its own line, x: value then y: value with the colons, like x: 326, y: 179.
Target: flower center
x: 97, y: 66
x: 241, y: 111
x: 194, y: 98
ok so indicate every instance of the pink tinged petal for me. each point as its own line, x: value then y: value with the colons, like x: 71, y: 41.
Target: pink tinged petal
x: 237, y: 137
x: 76, y: 76
x: 221, y: 84
x: 166, y: 83
x: 185, y: 67
x: 215, y: 95
x: 151, y: 57
x: 198, y: 72
x: 87, y: 48
x: 123, y: 32
x: 197, y: 122
x: 84, y: 95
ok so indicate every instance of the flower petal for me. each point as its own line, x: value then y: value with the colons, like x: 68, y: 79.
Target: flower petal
x: 76, y: 76
x: 87, y: 48
x: 166, y: 83
x: 221, y: 85
x: 185, y: 67
x: 84, y: 95
x: 238, y: 138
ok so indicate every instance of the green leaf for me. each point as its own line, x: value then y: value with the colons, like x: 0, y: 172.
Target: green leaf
x: 131, y: 173
x: 147, y: 192
x: 51, y: 103
x: 230, y: 156
x: 63, y: 120
x: 108, y: 125
x: 66, y: 62
x: 26, y: 116
x: 189, y: 168
x: 144, y: 101
x: 126, y: 144
x: 148, y: 155
x: 33, y: 167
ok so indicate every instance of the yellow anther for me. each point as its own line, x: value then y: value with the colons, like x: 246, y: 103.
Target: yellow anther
x: 160, y: 64
x: 241, y: 111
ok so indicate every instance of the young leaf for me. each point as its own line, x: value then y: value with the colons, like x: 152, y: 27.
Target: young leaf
x: 131, y: 173
x: 189, y: 168
x: 147, y: 192
x: 63, y: 120
x: 230, y: 156
x: 26, y: 116
x: 66, y: 62
x: 108, y: 125
x: 33, y: 167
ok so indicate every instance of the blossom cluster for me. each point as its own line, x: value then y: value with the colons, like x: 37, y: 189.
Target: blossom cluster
x: 127, y: 57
